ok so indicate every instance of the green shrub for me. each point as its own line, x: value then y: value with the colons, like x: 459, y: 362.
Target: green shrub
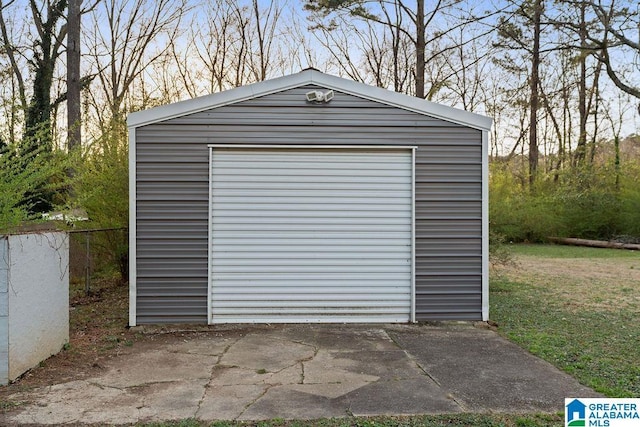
x: 630, y: 202
x: 582, y: 202
x: 520, y: 214
x: 25, y: 177
x: 101, y: 188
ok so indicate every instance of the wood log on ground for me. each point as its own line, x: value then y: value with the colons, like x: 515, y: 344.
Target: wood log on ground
x: 594, y: 243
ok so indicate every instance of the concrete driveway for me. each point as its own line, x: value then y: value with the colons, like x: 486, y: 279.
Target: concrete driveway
x: 308, y: 371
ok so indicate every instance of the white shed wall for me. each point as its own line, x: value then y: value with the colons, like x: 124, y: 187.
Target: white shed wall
x: 4, y: 310
x: 37, y: 298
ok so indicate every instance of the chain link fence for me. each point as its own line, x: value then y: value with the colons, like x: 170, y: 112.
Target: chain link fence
x: 98, y: 251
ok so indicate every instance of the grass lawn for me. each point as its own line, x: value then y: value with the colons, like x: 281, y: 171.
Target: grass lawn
x: 578, y: 308
x: 565, y: 251
x: 466, y: 420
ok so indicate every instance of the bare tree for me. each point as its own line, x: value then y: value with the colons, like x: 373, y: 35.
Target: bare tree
x: 399, y: 19
x: 237, y: 43
x: 45, y: 50
x: 265, y: 25
x: 126, y: 37
x: 11, y: 51
x: 618, y: 26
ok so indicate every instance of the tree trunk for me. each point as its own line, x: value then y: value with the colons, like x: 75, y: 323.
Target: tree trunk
x: 420, y: 47
x: 74, y: 113
x: 594, y: 243
x: 534, y: 84
x: 582, y: 90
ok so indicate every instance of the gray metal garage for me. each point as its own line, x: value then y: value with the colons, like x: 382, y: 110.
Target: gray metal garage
x: 307, y: 198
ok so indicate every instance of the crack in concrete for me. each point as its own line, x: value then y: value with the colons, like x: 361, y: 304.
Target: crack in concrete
x: 216, y: 366
x: 204, y: 395
x: 269, y: 386
x: 227, y: 348
x: 316, y: 349
x: 457, y: 402
x: 415, y: 361
x: 104, y: 386
x: 248, y: 405
x: 301, y: 373
x: 426, y: 373
x: 422, y: 369
x: 386, y: 334
x: 139, y: 408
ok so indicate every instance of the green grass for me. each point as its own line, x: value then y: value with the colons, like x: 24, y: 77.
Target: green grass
x: 566, y: 251
x: 599, y: 347
x: 462, y: 420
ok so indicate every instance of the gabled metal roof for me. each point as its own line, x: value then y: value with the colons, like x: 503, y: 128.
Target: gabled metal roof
x: 303, y: 78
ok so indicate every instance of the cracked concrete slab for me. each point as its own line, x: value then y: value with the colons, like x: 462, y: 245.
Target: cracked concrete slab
x: 229, y: 402
x: 208, y: 346
x: 305, y: 372
x: 401, y: 397
x: 171, y: 400
x: 67, y: 403
x: 289, y: 403
x: 331, y: 367
x: 157, y: 366
x: 488, y: 373
x: 262, y: 352
x: 344, y: 337
x: 234, y: 375
x: 385, y: 364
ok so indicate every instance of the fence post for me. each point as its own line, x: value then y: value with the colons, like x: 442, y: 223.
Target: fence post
x: 87, y: 277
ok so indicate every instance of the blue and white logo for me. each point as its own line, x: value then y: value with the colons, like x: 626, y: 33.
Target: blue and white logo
x: 581, y: 412
x: 575, y: 411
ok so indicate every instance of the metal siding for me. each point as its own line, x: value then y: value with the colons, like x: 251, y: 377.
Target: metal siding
x: 304, y: 235
x: 449, y: 227
x: 4, y: 310
x: 172, y: 191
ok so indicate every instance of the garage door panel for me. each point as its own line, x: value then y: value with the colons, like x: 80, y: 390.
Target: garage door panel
x: 270, y: 251
x: 275, y: 216
x: 334, y: 184
x: 356, y: 208
x: 351, y: 292
x: 305, y: 311
x: 389, y: 237
x: 312, y: 261
x: 310, y: 235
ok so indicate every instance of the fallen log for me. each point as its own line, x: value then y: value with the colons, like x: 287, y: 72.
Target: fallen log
x: 594, y: 243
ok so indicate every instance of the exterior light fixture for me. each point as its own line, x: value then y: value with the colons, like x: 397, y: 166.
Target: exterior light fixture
x: 317, y: 96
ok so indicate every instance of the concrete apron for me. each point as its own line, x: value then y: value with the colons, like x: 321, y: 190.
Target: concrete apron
x: 309, y: 371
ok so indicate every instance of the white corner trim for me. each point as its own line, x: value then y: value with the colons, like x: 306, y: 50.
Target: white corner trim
x: 132, y: 227
x: 209, y: 233
x: 485, y: 225
x: 413, y: 235
x: 302, y: 78
x: 400, y: 100
x: 315, y: 147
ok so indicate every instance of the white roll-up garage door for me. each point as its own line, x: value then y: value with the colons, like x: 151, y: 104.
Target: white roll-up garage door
x: 310, y: 235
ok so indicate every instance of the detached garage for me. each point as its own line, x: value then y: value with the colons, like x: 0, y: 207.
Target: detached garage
x: 308, y: 198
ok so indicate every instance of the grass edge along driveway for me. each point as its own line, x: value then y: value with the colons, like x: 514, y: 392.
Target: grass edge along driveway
x: 577, y: 308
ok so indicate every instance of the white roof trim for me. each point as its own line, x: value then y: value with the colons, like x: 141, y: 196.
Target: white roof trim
x: 302, y: 78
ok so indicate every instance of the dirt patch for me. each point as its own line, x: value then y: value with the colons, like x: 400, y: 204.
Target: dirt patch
x: 98, y: 333
x: 98, y: 330
x: 603, y: 283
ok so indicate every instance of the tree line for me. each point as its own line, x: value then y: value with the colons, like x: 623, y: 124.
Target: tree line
x: 561, y: 79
